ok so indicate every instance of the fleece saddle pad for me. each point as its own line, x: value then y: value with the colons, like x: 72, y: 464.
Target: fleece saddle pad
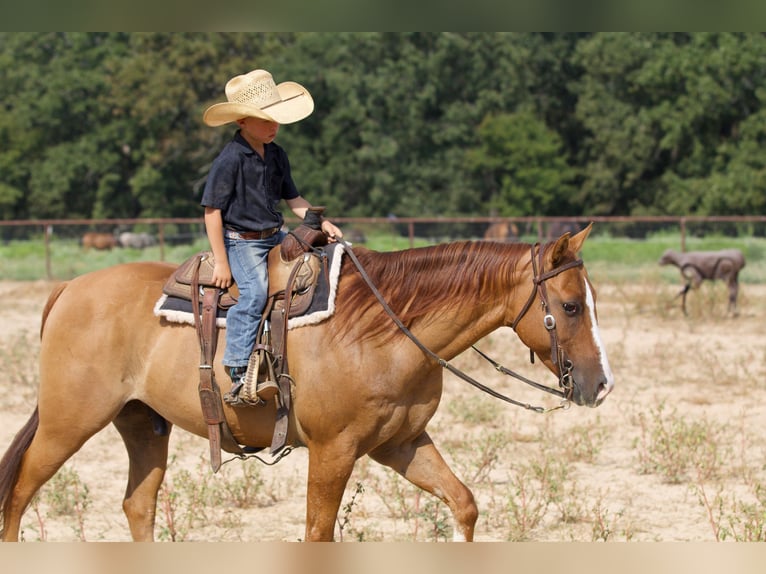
x: 177, y: 310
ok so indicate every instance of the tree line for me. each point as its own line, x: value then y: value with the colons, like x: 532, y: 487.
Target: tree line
x: 108, y: 125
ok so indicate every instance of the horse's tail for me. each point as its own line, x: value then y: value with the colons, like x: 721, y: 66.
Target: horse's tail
x: 52, y: 298
x: 9, y: 466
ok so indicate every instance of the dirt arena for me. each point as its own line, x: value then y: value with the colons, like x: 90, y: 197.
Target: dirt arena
x: 674, y: 454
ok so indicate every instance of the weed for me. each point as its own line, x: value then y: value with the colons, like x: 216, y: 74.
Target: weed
x: 747, y: 522
x: 534, y: 486
x: 602, y: 528
x: 671, y: 447
x: 344, y: 520
x: 435, y: 515
x: 581, y: 443
x: 738, y: 520
x: 247, y: 490
x: 67, y: 495
x: 475, y: 460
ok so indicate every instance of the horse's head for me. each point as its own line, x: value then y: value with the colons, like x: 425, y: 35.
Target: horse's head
x: 559, y: 323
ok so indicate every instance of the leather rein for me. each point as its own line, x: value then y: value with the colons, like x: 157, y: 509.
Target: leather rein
x: 539, y: 277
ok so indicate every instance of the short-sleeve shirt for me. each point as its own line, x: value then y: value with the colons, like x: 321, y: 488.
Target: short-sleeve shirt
x: 247, y: 188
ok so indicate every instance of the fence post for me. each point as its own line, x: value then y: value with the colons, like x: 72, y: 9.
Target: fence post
x: 161, y: 236
x: 683, y: 234
x: 46, y: 235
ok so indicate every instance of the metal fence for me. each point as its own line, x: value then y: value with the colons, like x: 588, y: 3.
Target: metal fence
x: 410, y: 230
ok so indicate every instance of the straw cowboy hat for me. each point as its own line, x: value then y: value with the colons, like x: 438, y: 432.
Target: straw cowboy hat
x: 256, y: 95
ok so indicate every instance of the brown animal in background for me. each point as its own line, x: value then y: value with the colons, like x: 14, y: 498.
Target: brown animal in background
x: 502, y: 231
x: 558, y: 228
x: 101, y: 241
x: 697, y: 266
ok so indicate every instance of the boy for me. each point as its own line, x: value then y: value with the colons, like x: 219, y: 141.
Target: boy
x: 246, y: 182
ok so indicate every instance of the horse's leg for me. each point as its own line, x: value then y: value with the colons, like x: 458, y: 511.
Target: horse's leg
x: 683, y: 293
x: 421, y: 463
x: 54, y: 442
x: 330, y: 468
x: 148, y: 455
x: 733, y: 285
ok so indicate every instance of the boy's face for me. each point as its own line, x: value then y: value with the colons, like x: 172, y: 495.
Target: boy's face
x: 259, y: 130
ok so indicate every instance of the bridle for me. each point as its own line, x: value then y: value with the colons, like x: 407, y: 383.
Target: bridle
x: 558, y: 356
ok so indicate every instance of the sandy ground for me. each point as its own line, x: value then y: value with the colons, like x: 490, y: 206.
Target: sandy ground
x: 697, y: 376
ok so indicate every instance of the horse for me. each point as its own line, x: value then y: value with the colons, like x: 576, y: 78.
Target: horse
x: 501, y: 231
x: 100, y: 241
x: 559, y: 227
x: 136, y: 240
x: 699, y: 266
x: 360, y: 384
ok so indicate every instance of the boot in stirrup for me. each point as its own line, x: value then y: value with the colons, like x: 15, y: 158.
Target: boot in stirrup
x: 232, y: 397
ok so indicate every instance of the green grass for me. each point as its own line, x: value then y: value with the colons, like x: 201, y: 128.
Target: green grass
x: 607, y: 258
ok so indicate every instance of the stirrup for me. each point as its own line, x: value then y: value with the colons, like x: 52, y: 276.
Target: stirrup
x: 266, y: 390
x: 233, y: 397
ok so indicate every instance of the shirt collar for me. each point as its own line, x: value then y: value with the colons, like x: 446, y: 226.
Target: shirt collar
x: 249, y: 150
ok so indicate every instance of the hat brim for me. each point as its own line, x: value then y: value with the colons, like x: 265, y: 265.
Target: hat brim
x: 296, y: 104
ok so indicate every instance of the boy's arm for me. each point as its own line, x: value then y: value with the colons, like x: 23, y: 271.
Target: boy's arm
x: 300, y: 206
x: 214, y: 229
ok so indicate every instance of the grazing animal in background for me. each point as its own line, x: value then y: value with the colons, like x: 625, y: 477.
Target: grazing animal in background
x: 698, y: 266
x: 101, y: 241
x: 558, y: 228
x: 360, y: 386
x: 503, y: 231
x: 136, y: 240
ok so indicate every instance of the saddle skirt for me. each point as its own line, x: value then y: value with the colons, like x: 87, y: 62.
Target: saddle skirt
x: 313, y: 292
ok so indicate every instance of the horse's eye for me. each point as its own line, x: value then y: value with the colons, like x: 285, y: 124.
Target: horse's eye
x: 571, y: 308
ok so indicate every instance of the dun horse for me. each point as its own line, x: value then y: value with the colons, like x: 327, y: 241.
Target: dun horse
x: 361, y: 387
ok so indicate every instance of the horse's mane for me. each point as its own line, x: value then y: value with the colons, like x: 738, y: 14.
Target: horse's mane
x: 417, y: 282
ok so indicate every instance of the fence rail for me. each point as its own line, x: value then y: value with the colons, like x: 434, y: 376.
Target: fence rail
x: 411, y: 227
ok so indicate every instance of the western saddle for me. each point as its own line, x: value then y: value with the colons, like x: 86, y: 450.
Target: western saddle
x: 294, y: 270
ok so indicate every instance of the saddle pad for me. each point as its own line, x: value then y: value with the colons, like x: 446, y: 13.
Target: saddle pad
x: 176, y: 310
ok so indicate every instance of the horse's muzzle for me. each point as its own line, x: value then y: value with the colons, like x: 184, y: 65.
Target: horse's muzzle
x: 592, y: 394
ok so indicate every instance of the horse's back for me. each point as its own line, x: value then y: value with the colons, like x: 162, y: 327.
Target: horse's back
x: 97, y: 307
x: 129, y: 275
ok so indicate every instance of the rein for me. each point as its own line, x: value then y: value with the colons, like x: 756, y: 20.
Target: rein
x: 565, y: 379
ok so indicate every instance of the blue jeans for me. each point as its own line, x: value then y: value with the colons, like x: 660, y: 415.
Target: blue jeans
x: 248, y: 260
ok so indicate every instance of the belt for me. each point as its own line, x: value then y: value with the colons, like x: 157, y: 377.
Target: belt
x: 263, y: 234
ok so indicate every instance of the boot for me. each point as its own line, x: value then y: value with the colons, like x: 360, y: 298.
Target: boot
x: 232, y: 397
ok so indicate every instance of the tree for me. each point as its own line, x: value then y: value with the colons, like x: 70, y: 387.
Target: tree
x: 521, y: 162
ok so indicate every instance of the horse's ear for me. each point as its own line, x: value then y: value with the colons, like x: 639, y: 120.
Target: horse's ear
x: 566, y: 243
x: 575, y: 243
x: 558, y: 250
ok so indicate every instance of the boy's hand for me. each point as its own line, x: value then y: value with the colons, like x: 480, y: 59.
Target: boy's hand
x: 222, y: 275
x: 331, y: 231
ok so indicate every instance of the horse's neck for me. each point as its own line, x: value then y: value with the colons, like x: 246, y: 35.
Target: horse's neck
x: 459, y: 323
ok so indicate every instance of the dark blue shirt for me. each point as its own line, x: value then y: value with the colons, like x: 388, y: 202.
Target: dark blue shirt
x: 247, y: 188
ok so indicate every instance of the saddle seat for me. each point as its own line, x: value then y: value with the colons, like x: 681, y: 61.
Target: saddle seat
x: 282, y: 260
x: 294, y: 252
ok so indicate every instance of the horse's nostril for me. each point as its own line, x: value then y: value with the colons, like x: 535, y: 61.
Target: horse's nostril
x: 603, y: 390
